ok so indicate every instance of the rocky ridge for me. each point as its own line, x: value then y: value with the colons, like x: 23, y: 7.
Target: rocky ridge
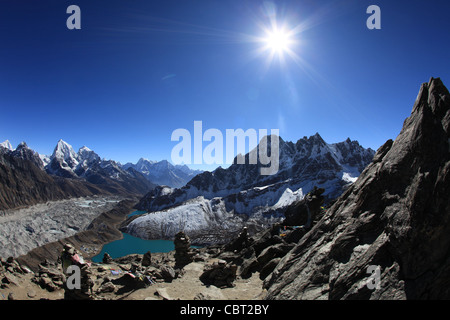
x: 395, y: 217
x: 152, y: 276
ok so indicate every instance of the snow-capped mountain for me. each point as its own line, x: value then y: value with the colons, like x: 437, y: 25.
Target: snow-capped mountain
x: 7, y: 145
x: 86, y: 159
x: 163, y: 172
x: 24, y: 152
x: 24, y: 181
x: 27, y: 178
x: 88, y: 165
x: 63, y: 161
x: 241, y: 193
x: 307, y: 163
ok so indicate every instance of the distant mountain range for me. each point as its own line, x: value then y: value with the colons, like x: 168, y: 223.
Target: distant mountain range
x: 210, y: 204
x: 65, y: 162
x: 24, y: 182
x: 228, y: 199
x: 81, y: 173
x: 163, y: 172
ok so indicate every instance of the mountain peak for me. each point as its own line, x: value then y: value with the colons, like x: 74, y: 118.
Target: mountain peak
x: 63, y: 150
x: 163, y: 172
x: 22, y: 145
x: 317, y: 135
x: 24, y: 152
x: 317, y: 138
x: 87, y: 156
x: 65, y: 156
x: 62, y: 142
x: 84, y: 148
x: 142, y: 161
x: 7, y: 145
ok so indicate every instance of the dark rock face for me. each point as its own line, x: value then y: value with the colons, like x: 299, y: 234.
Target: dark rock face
x: 22, y: 151
x: 147, y: 259
x: 395, y: 217
x: 260, y: 252
x: 264, y: 250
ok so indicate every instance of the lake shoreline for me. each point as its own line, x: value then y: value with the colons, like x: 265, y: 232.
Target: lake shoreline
x: 129, y: 244
x: 89, y: 242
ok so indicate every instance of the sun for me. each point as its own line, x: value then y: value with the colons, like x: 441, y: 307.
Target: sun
x: 278, y: 41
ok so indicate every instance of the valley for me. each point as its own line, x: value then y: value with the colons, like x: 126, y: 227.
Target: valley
x: 24, y: 229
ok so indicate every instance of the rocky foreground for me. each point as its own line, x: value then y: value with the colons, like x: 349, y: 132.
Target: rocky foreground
x: 123, y: 279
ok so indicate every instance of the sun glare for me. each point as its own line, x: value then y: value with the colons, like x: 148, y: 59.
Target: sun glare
x: 278, y: 41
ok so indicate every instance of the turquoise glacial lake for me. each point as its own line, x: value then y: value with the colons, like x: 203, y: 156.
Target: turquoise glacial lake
x: 130, y: 245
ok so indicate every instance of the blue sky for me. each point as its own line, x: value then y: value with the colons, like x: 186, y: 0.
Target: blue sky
x: 138, y: 70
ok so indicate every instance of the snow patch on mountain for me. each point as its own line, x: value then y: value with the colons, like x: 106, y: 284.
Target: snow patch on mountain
x: 7, y: 145
x: 348, y: 178
x: 45, y: 159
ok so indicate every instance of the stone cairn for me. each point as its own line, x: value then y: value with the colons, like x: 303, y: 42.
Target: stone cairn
x: 183, y: 254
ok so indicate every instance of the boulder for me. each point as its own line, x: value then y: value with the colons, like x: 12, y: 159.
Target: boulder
x: 240, y: 243
x: 168, y: 273
x: 48, y: 277
x: 305, y: 211
x: 219, y: 274
x: 106, y: 287
x: 8, y: 280
x: 267, y: 269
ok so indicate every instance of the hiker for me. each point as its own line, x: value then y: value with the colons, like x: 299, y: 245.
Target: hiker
x: 70, y: 257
